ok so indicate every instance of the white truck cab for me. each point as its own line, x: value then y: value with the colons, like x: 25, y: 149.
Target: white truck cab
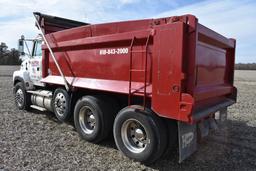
x: 28, y: 79
x: 30, y: 72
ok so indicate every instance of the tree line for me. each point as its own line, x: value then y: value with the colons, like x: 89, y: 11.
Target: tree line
x: 9, y: 57
x: 248, y: 66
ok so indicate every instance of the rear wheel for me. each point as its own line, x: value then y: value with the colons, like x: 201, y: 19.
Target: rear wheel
x: 22, y: 98
x: 60, y: 104
x: 172, y: 134
x: 93, y: 118
x: 140, y: 135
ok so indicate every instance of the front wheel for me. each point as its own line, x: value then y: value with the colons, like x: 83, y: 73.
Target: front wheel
x: 140, y: 135
x: 22, y: 98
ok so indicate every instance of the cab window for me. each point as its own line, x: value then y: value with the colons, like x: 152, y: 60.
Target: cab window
x: 37, y: 48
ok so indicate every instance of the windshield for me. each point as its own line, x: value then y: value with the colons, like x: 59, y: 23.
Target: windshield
x: 38, y: 48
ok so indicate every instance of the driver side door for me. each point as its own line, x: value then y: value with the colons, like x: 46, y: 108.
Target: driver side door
x: 35, y: 68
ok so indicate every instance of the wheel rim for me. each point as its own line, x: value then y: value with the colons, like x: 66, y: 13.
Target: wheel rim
x: 87, y: 119
x: 19, y: 97
x: 60, y: 104
x: 134, y: 136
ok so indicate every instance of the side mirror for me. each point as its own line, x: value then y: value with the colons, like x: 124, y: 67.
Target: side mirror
x: 21, y: 45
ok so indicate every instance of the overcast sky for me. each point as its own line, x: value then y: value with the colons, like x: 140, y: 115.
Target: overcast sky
x: 232, y: 18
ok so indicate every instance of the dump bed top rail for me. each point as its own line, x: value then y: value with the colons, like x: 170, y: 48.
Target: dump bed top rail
x: 211, y: 37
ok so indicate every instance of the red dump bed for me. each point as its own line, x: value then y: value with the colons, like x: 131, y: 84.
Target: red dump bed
x: 185, y: 69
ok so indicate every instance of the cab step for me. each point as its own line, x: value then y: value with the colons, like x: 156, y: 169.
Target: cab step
x: 38, y: 108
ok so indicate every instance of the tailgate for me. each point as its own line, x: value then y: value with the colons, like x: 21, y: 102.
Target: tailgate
x: 214, y: 72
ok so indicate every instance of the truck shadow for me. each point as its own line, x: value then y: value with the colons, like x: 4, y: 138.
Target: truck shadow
x: 231, y: 146
x: 109, y: 142
x: 47, y: 114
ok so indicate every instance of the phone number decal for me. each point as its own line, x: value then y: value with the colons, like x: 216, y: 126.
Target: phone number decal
x: 117, y: 51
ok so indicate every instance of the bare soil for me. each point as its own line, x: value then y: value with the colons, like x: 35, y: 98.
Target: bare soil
x: 37, y: 141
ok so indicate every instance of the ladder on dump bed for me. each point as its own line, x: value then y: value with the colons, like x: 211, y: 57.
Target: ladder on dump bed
x: 144, y: 71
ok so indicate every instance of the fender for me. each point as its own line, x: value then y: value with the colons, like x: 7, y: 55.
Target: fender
x: 17, y: 79
x: 23, y: 76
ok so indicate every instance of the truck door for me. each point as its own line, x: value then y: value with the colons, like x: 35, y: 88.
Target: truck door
x: 35, y: 69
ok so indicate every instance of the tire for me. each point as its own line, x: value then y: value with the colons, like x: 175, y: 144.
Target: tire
x: 140, y: 135
x: 22, y: 98
x: 172, y: 131
x: 172, y: 134
x: 93, y: 118
x: 60, y: 104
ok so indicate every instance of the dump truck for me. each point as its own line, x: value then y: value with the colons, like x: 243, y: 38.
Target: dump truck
x: 155, y: 84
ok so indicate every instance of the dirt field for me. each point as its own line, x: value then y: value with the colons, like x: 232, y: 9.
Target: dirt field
x: 36, y: 141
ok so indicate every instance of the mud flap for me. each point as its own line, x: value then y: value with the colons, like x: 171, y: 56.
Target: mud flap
x: 187, y: 140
